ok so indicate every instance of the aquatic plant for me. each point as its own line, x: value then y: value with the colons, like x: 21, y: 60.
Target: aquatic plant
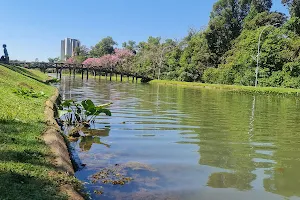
x: 83, y: 113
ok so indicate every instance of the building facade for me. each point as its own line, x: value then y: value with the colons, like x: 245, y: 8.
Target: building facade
x: 68, y: 46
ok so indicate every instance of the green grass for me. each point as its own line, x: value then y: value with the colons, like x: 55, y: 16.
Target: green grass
x: 233, y: 88
x: 26, y: 169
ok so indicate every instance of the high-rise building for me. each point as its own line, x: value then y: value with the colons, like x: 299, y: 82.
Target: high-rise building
x: 68, y: 46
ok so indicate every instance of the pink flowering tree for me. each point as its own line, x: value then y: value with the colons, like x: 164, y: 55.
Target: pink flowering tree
x: 71, y: 60
x: 109, y: 61
x: 92, y: 63
x: 125, y: 59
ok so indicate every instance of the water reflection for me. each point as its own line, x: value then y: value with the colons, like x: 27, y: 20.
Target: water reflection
x: 205, y: 144
x: 240, y: 180
x: 93, y: 136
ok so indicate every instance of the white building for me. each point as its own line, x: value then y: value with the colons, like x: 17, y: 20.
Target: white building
x: 68, y: 46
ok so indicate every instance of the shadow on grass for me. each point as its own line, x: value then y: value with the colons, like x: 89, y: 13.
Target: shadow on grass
x: 25, y: 163
x: 24, y: 72
x: 18, y: 186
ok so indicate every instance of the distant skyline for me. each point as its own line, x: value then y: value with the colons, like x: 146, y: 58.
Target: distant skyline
x: 34, y: 28
x: 68, y: 46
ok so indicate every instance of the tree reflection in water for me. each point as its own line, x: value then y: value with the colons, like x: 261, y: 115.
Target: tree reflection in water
x: 93, y: 136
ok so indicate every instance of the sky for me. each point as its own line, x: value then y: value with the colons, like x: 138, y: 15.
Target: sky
x: 34, y: 28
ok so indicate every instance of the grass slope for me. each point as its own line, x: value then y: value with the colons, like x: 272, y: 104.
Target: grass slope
x: 234, y: 88
x: 26, y: 171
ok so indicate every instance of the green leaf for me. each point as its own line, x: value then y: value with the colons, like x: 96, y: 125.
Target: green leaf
x: 62, y: 113
x: 103, y: 110
x: 88, y: 104
x: 104, y: 105
x: 67, y: 103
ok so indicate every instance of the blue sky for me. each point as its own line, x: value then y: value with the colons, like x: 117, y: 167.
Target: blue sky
x: 33, y: 28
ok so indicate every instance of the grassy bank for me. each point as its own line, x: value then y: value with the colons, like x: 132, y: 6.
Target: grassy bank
x: 233, y: 88
x: 26, y: 169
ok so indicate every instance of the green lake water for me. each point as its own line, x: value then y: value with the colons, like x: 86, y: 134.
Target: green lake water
x: 184, y: 143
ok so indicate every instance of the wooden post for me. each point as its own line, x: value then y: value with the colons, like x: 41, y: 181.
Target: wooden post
x: 60, y: 71
x: 128, y: 77
x: 82, y: 72
x: 133, y: 78
x: 106, y: 75
x: 74, y: 71
x: 56, y: 70
x: 70, y: 70
x: 110, y: 74
x: 121, y: 77
x: 100, y: 74
x: 116, y: 76
x: 87, y: 73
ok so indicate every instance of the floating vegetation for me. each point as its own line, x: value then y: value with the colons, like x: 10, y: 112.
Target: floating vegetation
x: 98, y: 192
x: 112, y: 175
x: 122, y: 174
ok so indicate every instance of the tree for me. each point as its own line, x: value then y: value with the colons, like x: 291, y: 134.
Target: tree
x: 225, y: 25
x: 131, y: 45
x: 53, y: 60
x: 195, y: 58
x: 67, y: 57
x: 279, y: 60
x: 125, y: 57
x: 81, y: 54
x: 81, y: 51
x: 105, y: 46
x: 294, y: 7
x: 262, y: 5
x: 71, y: 60
x: 265, y: 18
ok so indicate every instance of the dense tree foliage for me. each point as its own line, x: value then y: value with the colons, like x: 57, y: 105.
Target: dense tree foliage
x: 105, y: 46
x: 225, y: 52
x: 294, y: 7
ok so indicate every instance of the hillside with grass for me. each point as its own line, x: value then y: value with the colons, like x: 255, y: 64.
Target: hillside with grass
x: 26, y: 168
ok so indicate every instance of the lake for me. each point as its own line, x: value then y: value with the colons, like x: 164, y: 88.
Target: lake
x: 169, y: 142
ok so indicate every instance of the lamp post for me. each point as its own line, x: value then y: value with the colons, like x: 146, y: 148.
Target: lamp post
x: 161, y: 58
x: 258, y: 52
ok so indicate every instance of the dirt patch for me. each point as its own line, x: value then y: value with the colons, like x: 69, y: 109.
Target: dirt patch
x: 53, y: 138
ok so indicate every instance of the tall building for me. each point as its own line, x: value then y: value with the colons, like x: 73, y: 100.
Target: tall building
x: 68, y: 46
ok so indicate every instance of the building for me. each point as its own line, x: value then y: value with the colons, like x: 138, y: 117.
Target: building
x: 68, y: 46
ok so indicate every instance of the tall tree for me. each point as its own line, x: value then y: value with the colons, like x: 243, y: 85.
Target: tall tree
x: 225, y: 25
x: 294, y: 7
x: 262, y: 5
x: 53, y: 60
x: 105, y: 46
x: 131, y: 45
x: 265, y: 18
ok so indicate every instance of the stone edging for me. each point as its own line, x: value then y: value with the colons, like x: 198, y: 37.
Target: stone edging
x: 53, y: 138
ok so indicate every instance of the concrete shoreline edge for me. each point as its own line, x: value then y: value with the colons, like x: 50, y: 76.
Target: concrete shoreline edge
x: 55, y: 141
